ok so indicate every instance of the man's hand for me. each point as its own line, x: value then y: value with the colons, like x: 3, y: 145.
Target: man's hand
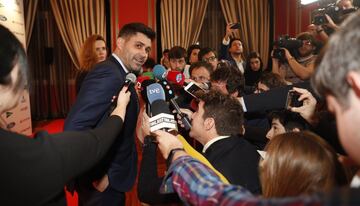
x: 331, y: 23
x: 187, y: 112
x: 229, y: 31
x: 102, y: 184
x: 307, y: 110
x: 167, y: 142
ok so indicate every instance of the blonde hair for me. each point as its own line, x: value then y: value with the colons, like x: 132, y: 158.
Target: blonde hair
x: 299, y: 163
x: 87, y: 53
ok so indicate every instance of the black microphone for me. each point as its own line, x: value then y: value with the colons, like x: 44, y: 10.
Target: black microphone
x: 130, y: 79
x: 170, y: 97
x: 161, y: 117
x: 183, y: 117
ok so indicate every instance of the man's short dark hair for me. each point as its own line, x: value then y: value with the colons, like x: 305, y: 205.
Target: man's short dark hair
x: 205, y: 51
x: 226, y: 111
x: 229, y: 74
x: 133, y: 28
x: 289, y: 120
x: 232, y: 40
x: 199, y: 64
x: 177, y: 52
x: 271, y: 80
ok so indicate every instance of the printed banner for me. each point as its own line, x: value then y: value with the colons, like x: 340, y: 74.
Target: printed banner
x: 12, y: 16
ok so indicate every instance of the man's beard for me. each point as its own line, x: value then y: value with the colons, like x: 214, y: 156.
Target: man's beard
x: 137, y: 72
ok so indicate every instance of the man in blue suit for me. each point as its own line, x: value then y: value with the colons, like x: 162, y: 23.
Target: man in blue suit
x: 107, y: 182
x: 232, y: 49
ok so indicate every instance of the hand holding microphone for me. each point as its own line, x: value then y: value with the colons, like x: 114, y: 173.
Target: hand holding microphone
x: 161, y: 118
x: 130, y: 80
x: 121, y: 103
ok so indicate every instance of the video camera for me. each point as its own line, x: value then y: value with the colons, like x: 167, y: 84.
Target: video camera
x: 291, y: 44
x: 336, y: 13
x: 333, y: 11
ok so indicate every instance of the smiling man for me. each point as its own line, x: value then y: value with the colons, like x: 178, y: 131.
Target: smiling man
x: 107, y: 183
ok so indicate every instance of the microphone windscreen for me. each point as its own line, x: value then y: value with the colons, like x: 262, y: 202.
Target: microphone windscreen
x: 176, y: 77
x: 148, y: 74
x: 159, y: 72
x: 130, y: 78
x: 140, y: 79
x: 143, y: 91
x: 169, y: 91
x: 155, y: 92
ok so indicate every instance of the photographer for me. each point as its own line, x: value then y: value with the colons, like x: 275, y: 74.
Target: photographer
x: 296, y: 66
x: 327, y: 18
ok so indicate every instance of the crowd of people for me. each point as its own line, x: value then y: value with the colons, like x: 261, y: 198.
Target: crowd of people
x: 283, y: 135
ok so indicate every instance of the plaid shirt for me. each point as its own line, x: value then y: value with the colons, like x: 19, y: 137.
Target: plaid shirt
x: 196, y: 184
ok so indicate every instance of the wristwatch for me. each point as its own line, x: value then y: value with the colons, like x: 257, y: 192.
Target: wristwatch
x: 171, y: 155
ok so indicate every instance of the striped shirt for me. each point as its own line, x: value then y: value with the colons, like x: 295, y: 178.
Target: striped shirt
x: 196, y: 184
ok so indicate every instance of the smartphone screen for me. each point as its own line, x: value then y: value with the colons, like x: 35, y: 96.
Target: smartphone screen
x: 192, y: 88
x: 292, y: 100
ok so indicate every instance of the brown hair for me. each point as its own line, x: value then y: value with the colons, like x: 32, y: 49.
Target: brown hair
x: 299, y: 163
x: 226, y: 111
x: 340, y: 57
x: 88, y: 56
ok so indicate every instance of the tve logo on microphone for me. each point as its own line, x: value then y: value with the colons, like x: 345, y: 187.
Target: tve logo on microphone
x: 154, y: 90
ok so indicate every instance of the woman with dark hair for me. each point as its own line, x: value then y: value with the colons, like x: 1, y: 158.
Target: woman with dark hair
x: 192, y: 57
x: 35, y: 171
x: 92, y: 52
x: 254, y: 69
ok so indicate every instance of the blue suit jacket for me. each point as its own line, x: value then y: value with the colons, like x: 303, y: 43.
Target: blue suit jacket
x: 92, y: 107
x: 225, y: 55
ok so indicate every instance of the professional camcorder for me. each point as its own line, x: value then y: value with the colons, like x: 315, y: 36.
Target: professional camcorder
x: 284, y: 41
x: 336, y: 13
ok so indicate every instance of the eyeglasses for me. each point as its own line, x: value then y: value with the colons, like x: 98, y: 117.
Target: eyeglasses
x: 307, y: 42
x: 210, y: 59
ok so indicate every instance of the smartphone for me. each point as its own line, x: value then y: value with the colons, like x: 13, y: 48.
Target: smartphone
x: 292, y: 99
x: 192, y: 88
x: 235, y: 26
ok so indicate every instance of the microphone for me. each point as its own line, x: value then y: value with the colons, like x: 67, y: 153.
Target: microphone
x: 159, y: 72
x: 139, y: 81
x: 169, y: 91
x: 148, y: 74
x: 183, y: 117
x: 143, y: 93
x: 161, y: 116
x: 155, y: 92
x: 176, y: 77
x: 130, y: 79
x: 170, y: 97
